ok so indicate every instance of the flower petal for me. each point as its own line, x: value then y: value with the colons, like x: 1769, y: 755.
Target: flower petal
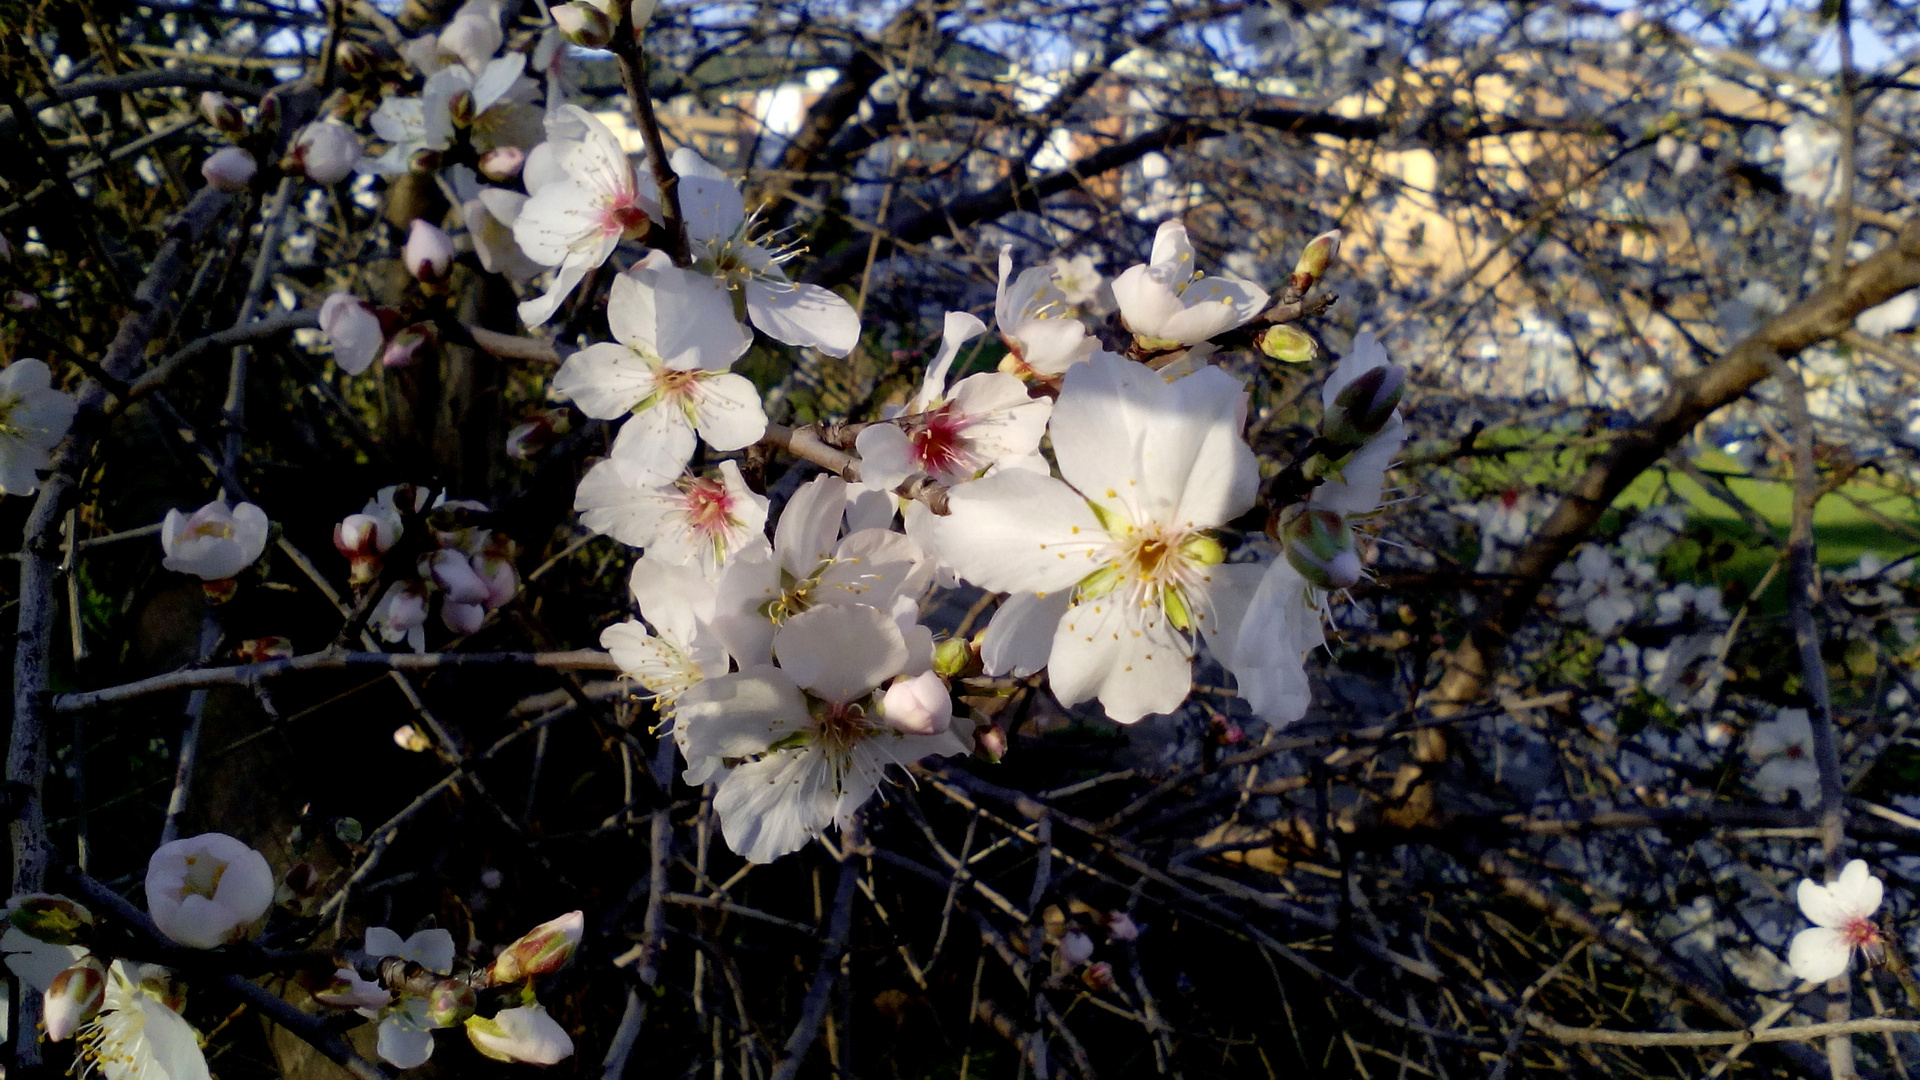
x: 1818, y: 954
x: 840, y: 651
x: 1123, y: 653
x: 1019, y: 638
x: 806, y: 316
x: 1017, y: 531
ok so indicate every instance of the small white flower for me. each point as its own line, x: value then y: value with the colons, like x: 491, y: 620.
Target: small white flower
x: 1079, y: 283
x: 34, y: 417
x: 326, y: 151
x: 137, y: 1036
x: 677, y: 337
x: 353, y: 330
x: 1033, y: 313
x: 401, y: 615
x: 205, y: 891
x: 701, y: 520
x: 1784, y: 748
x: 1842, y: 917
x: 214, y: 543
x: 1601, y: 594
x: 1168, y: 303
x: 583, y: 197
x: 525, y: 1034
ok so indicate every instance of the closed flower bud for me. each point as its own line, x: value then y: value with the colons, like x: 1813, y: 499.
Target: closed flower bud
x: 643, y: 13
x: 1364, y: 406
x: 325, y: 152
x: 918, y: 706
x: 424, y: 160
x: 1321, y: 251
x: 583, y: 24
x: 460, y: 109
x: 53, y: 919
x: 403, y: 349
x: 542, y: 950
x: 75, y: 996
x: 428, y: 253
x: 463, y: 619
x: 1121, y: 927
x: 1319, y: 544
x: 992, y: 742
x: 1098, y: 977
x: 219, y: 110
x: 410, y: 738
x: 952, y: 657
x: 1287, y: 344
x: 354, y: 58
x: 229, y: 169
x: 502, y: 163
x: 450, y: 1002
x: 537, y: 433
x: 267, y: 116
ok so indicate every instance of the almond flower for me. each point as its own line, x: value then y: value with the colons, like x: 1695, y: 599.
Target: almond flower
x: 1842, y: 917
x: 807, y: 316
x: 34, y: 417
x: 954, y: 435
x: 1116, y: 558
x: 815, y: 748
x: 404, y: 1039
x: 353, y: 330
x: 698, y: 520
x: 677, y: 337
x: 1036, y: 321
x: 205, y: 891
x: 214, y: 543
x: 137, y: 1035
x: 1167, y: 303
x: 1784, y: 748
x: 583, y: 198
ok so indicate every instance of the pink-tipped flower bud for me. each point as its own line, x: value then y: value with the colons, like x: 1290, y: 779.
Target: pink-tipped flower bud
x: 354, y: 58
x: 229, y: 169
x: 1364, y: 406
x: 219, y: 110
x: 428, y: 253
x: 450, y: 1002
x: 1287, y: 344
x: 75, y: 996
x: 542, y: 950
x: 424, y: 160
x: 362, y: 539
x: 1076, y: 948
x: 266, y: 117
x: 583, y: 24
x: 403, y: 349
x: 1121, y: 927
x: 992, y: 742
x: 918, y: 706
x: 502, y: 163
x: 325, y: 152
x: 460, y: 109
x: 1319, y: 544
x: 1320, y: 253
x: 1098, y: 977
x: 502, y: 581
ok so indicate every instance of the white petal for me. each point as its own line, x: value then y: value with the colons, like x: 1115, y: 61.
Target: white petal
x: 383, y: 942
x: 432, y: 949
x: 684, y: 319
x: 961, y: 327
x: 741, y: 714
x: 840, y: 651
x: 566, y: 276
x: 806, y: 316
x: 1018, y: 532
x: 727, y: 411
x: 886, y: 457
x: 605, y: 380
x: 403, y: 1047
x: 775, y: 805
x: 1147, y: 304
x: 810, y: 525
x: 612, y: 505
x: 1365, y: 473
x: 559, y: 220
x: 1019, y: 638
x: 1121, y: 652
x: 1857, y: 890
x: 1818, y: 954
x: 655, y: 444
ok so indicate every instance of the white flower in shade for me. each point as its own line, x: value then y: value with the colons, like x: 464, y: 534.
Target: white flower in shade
x: 405, y: 1036
x: 1842, y: 917
x: 955, y: 435
x: 677, y: 337
x: 205, y: 891
x: 701, y: 520
x: 1810, y: 152
x: 1266, y: 619
x: 34, y: 417
x: 229, y: 169
x: 682, y: 649
x: 1357, y: 488
x: 1601, y: 594
x: 1168, y: 303
x: 716, y: 221
x: 583, y: 197
x: 812, y: 565
x: 1784, y: 748
x: 432, y: 949
x: 1119, y: 552
x: 137, y: 1036
x: 353, y: 330
x: 1685, y: 603
x: 1036, y: 321
x: 489, y: 214
x: 818, y: 749
x: 214, y: 543
x: 326, y: 152
x: 1079, y: 283
x: 401, y: 615
x: 37, y: 962
x: 525, y: 1034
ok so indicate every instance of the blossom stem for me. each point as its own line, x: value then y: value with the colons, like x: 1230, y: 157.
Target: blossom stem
x: 633, y: 74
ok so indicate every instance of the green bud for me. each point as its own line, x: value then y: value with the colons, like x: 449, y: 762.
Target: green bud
x: 1203, y: 550
x: 450, y: 1002
x: 1319, y: 544
x: 1288, y: 344
x: 55, y: 920
x: 1101, y: 582
x: 1320, y: 253
x: 540, y: 951
x: 951, y: 657
x: 1364, y: 406
x: 1175, y: 602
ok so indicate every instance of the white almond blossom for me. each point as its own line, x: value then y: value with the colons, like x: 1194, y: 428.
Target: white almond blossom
x: 984, y: 420
x: 1118, y: 553
x: 205, y: 891
x: 354, y: 331
x: 677, y: 337
x: 34, y: 417
x: 1168, y: 303
x: 1842, y: 917
x: 1810, y: 160
x: 214, y: 543
x: 584, y: 196
x: 716, y: 222
x: 524, y: 1034
x: 1600, y: 592
x: 702, y: 520
x: 1266, y: 620
x: 404, y: 1038
x: 137, y: 1036
x: 1037, y: 322
x: 1783, y: 747
x: 679, y: 652
x: 817, y: 748
x: 470, y: 37
x: 1079, y: 283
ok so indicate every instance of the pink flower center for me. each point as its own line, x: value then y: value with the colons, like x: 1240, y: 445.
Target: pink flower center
x: 1861, y: 932
x: 938, y: 444
x: 709, y: 507
x: 623, y: 218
